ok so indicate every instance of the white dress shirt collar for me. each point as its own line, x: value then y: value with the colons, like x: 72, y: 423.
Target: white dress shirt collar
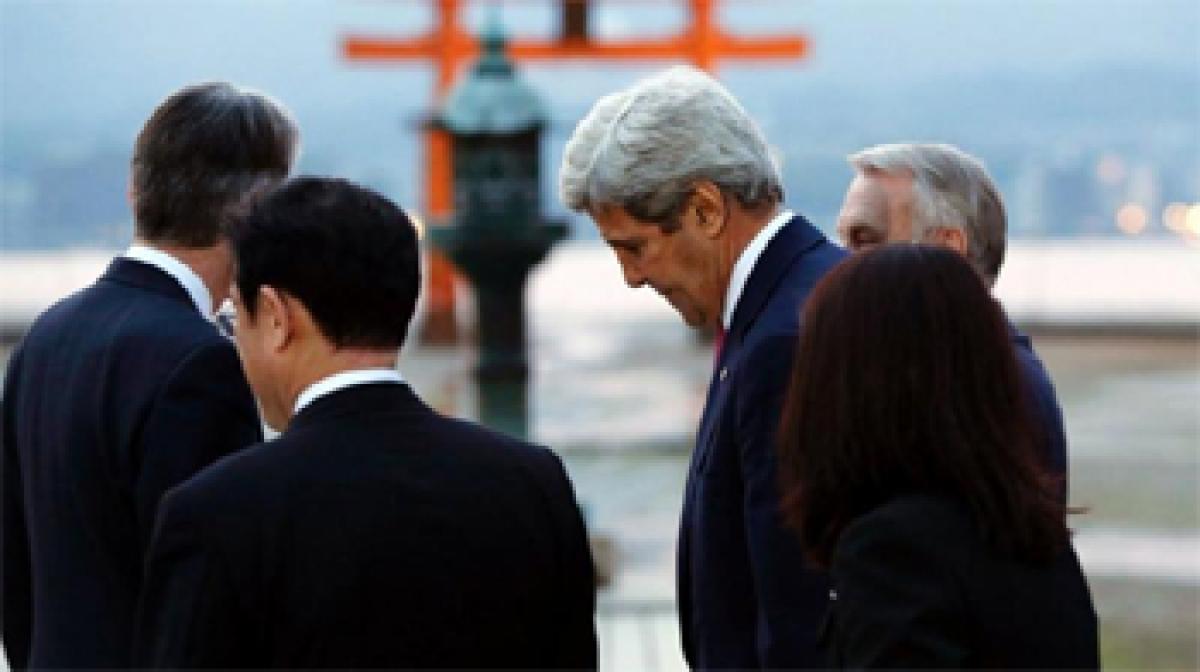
x: 342, y: 380
x: 746, y: 261
x: 181, y: 272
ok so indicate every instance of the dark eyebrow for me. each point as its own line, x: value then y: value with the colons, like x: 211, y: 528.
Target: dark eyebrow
x: 627, y: 244
x: 856, y: 224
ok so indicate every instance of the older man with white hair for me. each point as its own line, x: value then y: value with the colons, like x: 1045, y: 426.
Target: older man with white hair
x: 937, y: 194
x: 681, y: 185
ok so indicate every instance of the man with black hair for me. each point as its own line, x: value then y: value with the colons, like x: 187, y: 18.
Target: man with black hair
x: 126, y: 388
x: 373, y: 532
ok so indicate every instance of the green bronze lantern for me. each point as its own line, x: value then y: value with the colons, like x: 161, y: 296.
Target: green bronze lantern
x: 497, y: 234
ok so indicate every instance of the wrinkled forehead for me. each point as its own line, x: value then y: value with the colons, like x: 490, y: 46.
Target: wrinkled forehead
x: 873, y: 194
x: 865, y: 204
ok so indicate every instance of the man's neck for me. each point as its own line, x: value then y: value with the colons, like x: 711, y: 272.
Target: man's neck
x: 212, y: 265
x: 322, y: 365
x: 744, y: 225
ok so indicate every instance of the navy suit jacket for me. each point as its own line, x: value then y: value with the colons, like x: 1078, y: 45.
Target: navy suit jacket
x: 116, y: 394
x: 373, y: 533
x: 1046, y: 412
x: 747, y: 596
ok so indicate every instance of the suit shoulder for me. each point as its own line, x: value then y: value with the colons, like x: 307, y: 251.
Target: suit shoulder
x: 233, y: 480
x: 1032, y: 366
x: 806, y: 270
x: 536, y: 465
x: 495, y: 443
x: 475, y: 434
x: 128, y: 320
x: 168, y: 323
x: 816, y: 260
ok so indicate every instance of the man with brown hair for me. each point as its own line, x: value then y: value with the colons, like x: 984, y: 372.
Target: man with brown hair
x: 126, y: 388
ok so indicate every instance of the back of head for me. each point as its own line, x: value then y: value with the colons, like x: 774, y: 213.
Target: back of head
x: 905, y: 382
x: 951, y: 189
x: 348, y: 254
x: 642, y: 149
x: 201, y: 151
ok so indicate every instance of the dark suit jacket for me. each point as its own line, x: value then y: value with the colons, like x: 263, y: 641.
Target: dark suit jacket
x: 116, y: 394
x: 373, y: 533
x: 917, y: 587
x: 747, y: 598
x: 1045, y: 407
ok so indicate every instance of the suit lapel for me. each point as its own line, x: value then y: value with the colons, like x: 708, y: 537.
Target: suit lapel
x: 794, y: 239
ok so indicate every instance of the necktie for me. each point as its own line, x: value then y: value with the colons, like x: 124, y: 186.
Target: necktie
x: 718, y: 343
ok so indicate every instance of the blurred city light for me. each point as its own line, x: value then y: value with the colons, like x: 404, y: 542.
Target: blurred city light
x: 1192, y: 225
x: 1175, y: 216
x: 1132, y: 219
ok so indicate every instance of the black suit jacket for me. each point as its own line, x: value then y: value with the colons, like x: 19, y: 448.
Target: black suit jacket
x: 917, y: 587
x: 116, y: 394
x: 373, y: 533
x: 747, y: 598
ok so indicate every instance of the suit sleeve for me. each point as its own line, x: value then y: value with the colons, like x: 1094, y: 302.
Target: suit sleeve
x: 204, y: 412
x: 16, y: 584
x: 575, y: 643
x: 1047, y: 413
x: 791, y: 596
x: 189, y: 615
x: 896, y: 605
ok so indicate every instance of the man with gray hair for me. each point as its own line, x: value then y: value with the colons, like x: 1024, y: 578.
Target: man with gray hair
x: 937, y: 194
x: 681, y: 185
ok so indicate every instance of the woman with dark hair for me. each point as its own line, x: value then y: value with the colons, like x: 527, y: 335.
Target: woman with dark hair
x: 910, y: 470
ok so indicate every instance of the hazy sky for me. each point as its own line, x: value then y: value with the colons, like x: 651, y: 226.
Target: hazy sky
x: 104, y: 56
x: 1029, y: 79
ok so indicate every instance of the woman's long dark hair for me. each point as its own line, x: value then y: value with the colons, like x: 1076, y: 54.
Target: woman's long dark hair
x: 905, y: 382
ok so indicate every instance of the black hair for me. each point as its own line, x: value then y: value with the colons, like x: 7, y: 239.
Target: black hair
x: 347, y: 253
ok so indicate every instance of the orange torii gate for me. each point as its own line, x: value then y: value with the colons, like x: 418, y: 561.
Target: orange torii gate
x: 702, y: 42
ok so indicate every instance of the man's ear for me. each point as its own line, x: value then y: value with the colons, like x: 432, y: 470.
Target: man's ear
x: 707, y: 207
x: 274, y: 314
x: 948, y: 237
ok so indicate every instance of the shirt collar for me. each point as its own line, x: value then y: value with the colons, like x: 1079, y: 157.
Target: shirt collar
x: 181, y: 272
x: 342, y: 380
x: 746, y: 261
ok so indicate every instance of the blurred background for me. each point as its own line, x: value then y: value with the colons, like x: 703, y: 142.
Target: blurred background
x: 1087, y: 113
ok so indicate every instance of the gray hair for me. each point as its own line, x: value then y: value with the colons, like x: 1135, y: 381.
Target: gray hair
x: 951, y: 189
x: 644, y: 148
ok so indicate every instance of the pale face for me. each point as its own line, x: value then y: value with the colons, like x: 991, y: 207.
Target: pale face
x: 877, y: 210
x: 254, y: 339
x: 681, y: 266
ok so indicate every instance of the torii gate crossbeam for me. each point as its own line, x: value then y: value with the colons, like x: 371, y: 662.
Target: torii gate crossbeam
x: 702, y: 42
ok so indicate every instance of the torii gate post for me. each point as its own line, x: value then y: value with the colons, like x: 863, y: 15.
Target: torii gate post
x: 702, y: 42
